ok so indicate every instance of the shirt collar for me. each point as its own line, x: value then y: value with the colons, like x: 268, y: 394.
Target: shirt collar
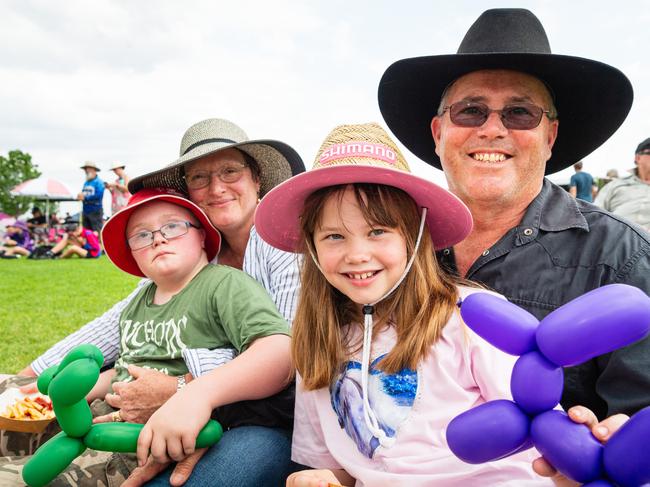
x: 552, y: 210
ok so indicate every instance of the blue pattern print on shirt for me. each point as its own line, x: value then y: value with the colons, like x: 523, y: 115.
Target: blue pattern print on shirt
x: 391, y: 397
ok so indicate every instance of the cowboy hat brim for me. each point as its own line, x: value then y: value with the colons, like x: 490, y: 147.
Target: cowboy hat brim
x: 592, y: 98
x: 277, y: 162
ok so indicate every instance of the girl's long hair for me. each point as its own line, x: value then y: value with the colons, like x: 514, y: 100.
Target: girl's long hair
x: 418, y: 309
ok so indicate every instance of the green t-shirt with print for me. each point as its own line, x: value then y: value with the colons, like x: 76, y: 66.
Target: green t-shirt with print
x: 220, y: 307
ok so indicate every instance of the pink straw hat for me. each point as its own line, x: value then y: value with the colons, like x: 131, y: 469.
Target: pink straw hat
x: 358, y: 154
x: 114, y: 231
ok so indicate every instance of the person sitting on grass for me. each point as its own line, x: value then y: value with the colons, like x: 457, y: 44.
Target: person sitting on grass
x: 17, y: 242
x: 77, y: 241
x: 188, y: 305
x: 37, y: 225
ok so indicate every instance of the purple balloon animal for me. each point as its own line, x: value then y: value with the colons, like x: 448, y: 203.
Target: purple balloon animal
x: 598, y: 322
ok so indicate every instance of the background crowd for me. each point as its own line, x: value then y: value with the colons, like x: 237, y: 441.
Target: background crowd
x: 51, y: 237
x: 627, y: 196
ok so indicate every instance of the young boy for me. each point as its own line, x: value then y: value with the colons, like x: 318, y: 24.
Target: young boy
x: 188, y: 306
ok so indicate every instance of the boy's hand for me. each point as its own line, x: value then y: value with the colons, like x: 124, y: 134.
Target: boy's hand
x: 603, y: 431
x: 170, y: 433
x: 313, y: 478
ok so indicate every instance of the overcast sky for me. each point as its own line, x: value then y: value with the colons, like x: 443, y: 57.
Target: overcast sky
x: 110, y: 81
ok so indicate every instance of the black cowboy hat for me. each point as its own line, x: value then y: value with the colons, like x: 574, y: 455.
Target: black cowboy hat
x: 592, y: 98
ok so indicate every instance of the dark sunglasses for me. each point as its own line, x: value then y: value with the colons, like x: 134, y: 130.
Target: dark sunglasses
x: 519, y: 116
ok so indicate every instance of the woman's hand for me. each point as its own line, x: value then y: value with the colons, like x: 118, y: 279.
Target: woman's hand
x: 27, y: 372
x: 138, y: 399
x: 602, y: 430
x: 314, y: 478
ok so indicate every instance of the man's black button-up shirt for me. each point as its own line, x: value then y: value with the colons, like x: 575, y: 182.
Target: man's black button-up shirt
x: 562, y: 249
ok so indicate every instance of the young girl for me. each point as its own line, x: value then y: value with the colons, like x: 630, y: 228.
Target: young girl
x: 77, y: 241
x: 384, y: 360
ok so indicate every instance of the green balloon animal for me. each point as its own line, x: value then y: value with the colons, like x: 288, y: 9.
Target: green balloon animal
x: 67, y: 385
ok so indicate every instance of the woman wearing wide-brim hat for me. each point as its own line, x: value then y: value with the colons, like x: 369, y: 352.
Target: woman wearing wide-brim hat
x: 225, y: 173
x: 119, y: 189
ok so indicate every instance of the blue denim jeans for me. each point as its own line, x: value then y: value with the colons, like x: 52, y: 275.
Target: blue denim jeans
x: 253, y: 456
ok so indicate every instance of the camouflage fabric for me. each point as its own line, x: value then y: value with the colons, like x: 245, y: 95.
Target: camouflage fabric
x: 91, y: 469
x: 15, y: 443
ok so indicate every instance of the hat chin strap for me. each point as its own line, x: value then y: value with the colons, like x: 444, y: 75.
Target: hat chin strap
x: 368, y: 309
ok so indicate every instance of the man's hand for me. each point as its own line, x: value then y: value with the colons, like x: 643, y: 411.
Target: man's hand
x: 603, y: 431
x: 149, y: 470
x: 141, y: 397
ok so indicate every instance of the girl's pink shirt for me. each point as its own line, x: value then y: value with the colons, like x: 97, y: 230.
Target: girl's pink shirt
x: 462, y: 371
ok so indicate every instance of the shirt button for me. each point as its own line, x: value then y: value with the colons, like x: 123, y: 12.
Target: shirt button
x: 446, y: 252
x: 528, y: 232
x: 486, y: 252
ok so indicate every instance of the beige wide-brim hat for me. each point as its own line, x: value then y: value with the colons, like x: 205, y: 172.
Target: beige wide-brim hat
x: 91, y: 165
x: 359, y: 154
x: 277, y: 161
x: 117, y: 165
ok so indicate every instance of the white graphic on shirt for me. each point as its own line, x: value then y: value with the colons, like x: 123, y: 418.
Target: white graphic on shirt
x: 148, y: 339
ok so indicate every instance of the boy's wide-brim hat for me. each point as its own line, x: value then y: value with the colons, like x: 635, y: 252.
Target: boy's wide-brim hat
x: 358, y: 154
x: 114, y: 231
x: 117, y: 165
x: 592, y: 98
x: 277, y: 161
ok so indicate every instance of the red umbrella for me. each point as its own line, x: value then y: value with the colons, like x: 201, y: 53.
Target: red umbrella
x: 44, y: 188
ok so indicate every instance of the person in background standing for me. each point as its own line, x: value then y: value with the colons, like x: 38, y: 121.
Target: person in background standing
x: 92, y: 195
x: 629, y: 197
x: 119, y: 189
x: 582, y: 184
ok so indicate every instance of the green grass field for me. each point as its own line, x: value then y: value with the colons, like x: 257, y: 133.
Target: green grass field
x: 42, y: 301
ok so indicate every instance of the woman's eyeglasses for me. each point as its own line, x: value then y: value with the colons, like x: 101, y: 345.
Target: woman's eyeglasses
x: 227, y: 174
x: 144, y: 238
x: 519, y: 116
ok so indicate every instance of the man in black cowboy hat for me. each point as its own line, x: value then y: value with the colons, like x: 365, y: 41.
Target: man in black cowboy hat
x: 496, y: 117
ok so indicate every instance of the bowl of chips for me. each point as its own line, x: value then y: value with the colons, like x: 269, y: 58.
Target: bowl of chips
x: 30, y: 413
